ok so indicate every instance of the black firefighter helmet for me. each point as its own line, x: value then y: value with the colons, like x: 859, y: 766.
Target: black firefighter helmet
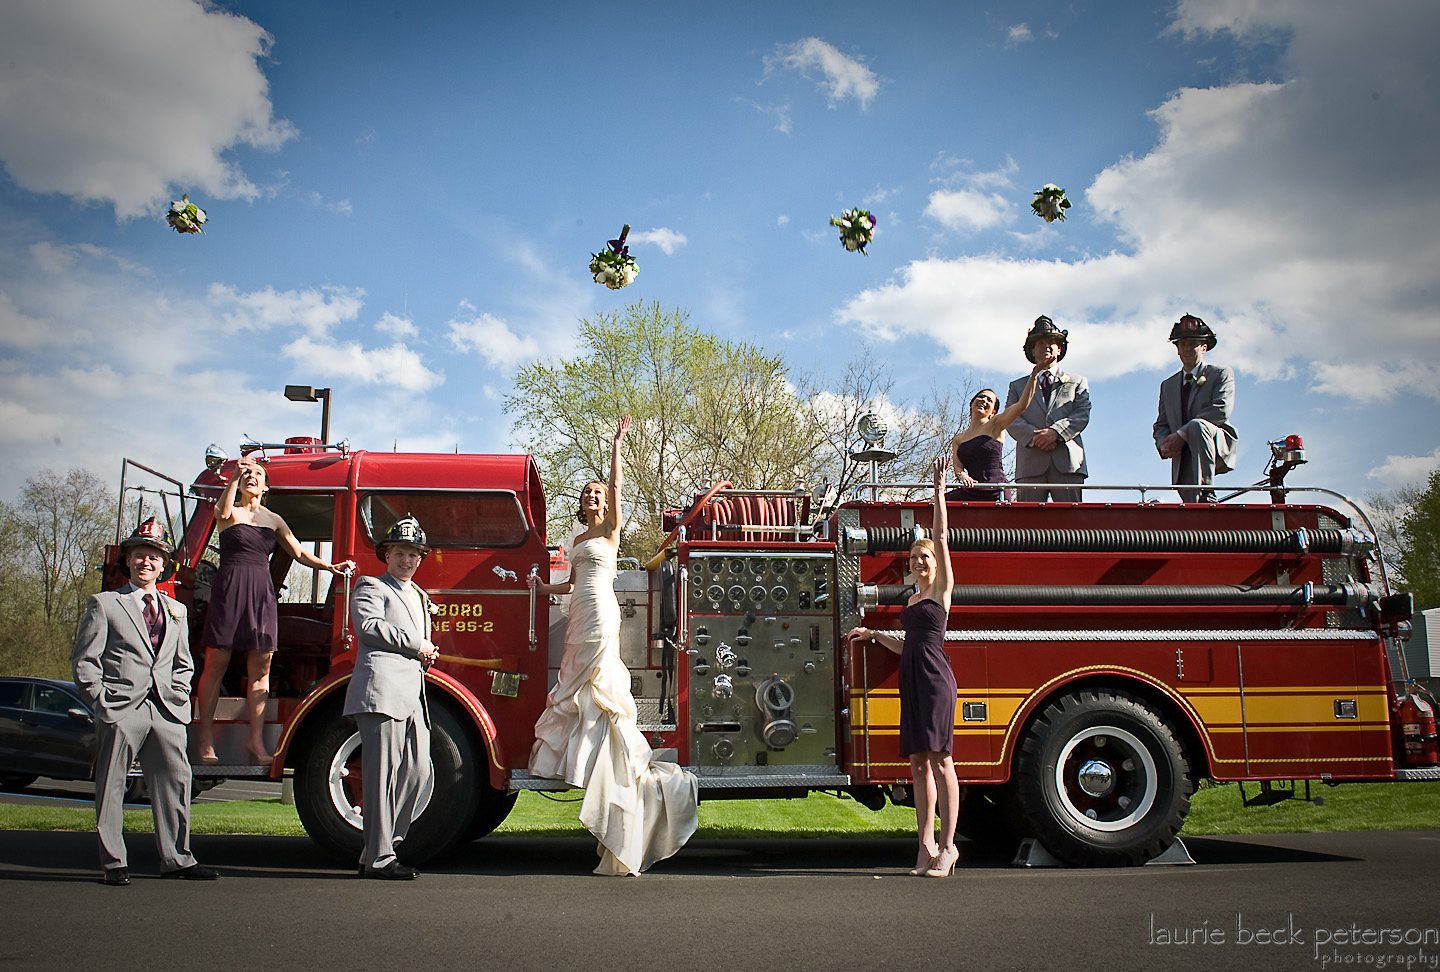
x: 407, y: 529
x: 149, y: 534
x: 1190, y: 327
x: 1045, y: 328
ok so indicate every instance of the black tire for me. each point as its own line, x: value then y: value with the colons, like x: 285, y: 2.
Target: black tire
x: 495, y: 806
x: 1102, y: 779
x: 16, y: 781
x: 328, y: 798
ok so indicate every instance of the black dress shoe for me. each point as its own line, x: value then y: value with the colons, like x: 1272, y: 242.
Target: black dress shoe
x: 394, y: 871
x: 195, y: 872
x: 117, y: 876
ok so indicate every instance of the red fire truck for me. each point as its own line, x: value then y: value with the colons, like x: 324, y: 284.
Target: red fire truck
x: 1109, y: 654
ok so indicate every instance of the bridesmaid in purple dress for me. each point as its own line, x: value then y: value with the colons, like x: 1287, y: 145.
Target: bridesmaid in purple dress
x: 242, y: 615
x: 927, y: 691
x: 977, y: 449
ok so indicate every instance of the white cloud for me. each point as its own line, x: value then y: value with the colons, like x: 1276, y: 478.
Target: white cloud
x: 1406, y: 470
x: 316, y: 310
x: 492, y: 338
x: 968, y: 209
x: 666, y: 239
x: 782, y: 220
x: 396, y: 366
x: 117, y: 102
x: 397, y: 327
x: 841, y: 76
x: 1296, y: 215
x: 1018, y: 34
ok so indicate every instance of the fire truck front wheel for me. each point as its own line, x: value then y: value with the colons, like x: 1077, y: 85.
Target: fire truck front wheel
x: 1103, y: 779
x: 328, y: 788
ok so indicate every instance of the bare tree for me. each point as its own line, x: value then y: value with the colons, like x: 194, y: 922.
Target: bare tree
x: 917, y: 432
x: 66, y: 521
x: 49, y: 542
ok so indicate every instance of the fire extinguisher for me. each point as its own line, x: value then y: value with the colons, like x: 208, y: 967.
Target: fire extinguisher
x: 1417, y: 731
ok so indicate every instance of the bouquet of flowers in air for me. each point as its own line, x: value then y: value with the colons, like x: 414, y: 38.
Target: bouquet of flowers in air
x: 614, y: 266
x: 185, y: 216
x: 857, y: 228
x: 1050, y: 203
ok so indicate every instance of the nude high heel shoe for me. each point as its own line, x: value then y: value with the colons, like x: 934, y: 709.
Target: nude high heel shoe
x: 944, y: 865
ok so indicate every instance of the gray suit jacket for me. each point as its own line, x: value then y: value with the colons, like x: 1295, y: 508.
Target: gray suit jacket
x: 388, y: 678
x: 1212, y: 401
x: 115, y: 665
x: 1068, y: 414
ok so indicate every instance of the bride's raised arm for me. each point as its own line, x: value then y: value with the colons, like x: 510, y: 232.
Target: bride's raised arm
x: 613, y: 514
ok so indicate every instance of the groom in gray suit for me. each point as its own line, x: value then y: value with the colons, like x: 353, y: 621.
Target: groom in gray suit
x: 1048, y: 448
x: 1193, y: 427
x: 132, y: 662
x: 391, y: 616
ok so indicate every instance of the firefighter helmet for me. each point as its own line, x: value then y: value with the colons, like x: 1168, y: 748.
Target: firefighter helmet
x: 1193, y: 328
x: 149, y: 534
x: 1045, y: 328
x: 407, y: 529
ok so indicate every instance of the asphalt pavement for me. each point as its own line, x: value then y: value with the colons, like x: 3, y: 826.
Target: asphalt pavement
x: 1294, y: 901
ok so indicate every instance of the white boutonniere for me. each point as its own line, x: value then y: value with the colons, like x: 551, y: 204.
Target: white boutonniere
x: 430, y: 605
x: 174, y: 613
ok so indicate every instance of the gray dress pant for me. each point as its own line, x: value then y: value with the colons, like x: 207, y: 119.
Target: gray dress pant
x: 1197, y: 463
x: 395, y: 758
x: 159, y: 741
x: 1055, y: 481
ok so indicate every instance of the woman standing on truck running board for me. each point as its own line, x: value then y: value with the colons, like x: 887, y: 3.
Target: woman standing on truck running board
x: 640, y: 809
x: 927, y: 691
x: 242, y: 615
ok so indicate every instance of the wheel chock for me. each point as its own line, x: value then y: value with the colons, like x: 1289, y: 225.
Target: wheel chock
x: 1032, y: 853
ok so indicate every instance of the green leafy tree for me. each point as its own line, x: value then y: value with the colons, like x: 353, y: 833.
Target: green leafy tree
x: 1420, y: 534
x: 704, y: 410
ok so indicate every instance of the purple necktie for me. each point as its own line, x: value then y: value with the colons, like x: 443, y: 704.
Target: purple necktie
x: 153, y: 622
x: 1047, y: 384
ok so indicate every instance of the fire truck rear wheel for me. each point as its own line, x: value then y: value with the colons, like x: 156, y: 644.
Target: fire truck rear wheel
x: 1103, y: 779
x: 329, y: 803
x: 495, y: 806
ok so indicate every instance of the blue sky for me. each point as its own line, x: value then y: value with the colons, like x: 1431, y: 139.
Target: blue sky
x: 403, y: 200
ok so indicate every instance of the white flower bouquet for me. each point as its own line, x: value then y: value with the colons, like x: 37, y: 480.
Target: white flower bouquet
x: 614, y: 266
x: 1050, y: 203
x: 857, y: 229
x: 185, y: 216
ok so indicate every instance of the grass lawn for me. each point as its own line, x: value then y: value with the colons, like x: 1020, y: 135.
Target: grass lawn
x: 1214, y: 810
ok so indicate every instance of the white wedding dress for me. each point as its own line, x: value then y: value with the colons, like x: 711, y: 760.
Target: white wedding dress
x: 640, y: 810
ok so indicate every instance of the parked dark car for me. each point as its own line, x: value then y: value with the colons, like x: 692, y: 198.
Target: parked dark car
x: 46, y: 729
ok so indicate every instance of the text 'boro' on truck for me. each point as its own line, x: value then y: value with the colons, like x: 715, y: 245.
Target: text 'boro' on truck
x: 1108, y: 654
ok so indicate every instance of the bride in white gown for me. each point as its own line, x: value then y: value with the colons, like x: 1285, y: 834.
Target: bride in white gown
x: 640, y: 810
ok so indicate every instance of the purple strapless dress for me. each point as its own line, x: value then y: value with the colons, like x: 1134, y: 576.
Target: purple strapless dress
x: 982, y: 458
x: 927, y: 682
x: 242, y: 614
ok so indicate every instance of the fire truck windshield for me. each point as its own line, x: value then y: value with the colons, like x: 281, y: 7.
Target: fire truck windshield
x: 450, y: 519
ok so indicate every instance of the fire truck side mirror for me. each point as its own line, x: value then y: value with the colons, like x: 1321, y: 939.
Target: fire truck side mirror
x: 1397, y: 607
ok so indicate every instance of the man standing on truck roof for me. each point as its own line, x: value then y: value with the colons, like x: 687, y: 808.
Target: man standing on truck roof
x: 391, y: 616
x: 1193, y: 427
x: 1048, y: 448
x: 132, y: 661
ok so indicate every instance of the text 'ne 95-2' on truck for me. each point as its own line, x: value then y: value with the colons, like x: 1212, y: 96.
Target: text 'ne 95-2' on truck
x: 1108, y: 655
